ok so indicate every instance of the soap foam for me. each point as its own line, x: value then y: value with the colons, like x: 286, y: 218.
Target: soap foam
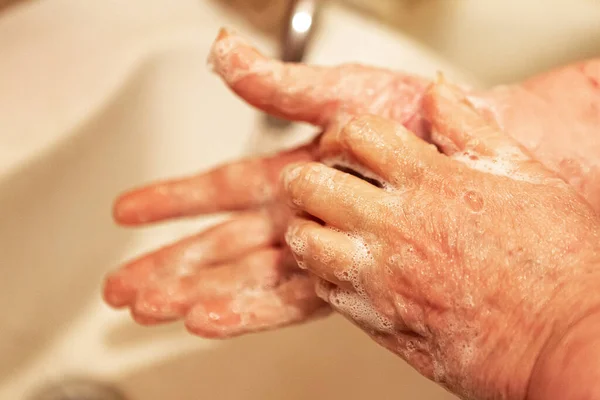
x: 357, y: 304
x: 296, y: 244
x: 361, y: 259
x: 504, y: 165
x: 322, y: 289
x: 360, y: 310
x: 250, y: 61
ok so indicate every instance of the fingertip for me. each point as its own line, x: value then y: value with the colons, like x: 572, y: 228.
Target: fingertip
x: 124, y: 210
x: 144, y: 320
x: 116, y: 293
x: 121, y: 286
x: 148, y: 204
x: 212, y: 324
x: 224, y: 32
x: 157, y: 202
x: 233, y: 57
x: 301, y: 180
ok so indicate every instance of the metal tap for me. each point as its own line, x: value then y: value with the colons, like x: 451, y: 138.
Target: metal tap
x: 298, y: 28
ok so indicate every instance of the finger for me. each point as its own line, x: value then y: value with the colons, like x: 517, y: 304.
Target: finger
x: 146, y: 321
x: 235, y: 186
x: 172, y: 297
x: 458, y: 127
x: 332, y: 153
x: 326, y: 253
x: 312, y: 93
x: 337, y: 198
x: 215, y: 245
x: 386, y: 148
x: 293, y: 301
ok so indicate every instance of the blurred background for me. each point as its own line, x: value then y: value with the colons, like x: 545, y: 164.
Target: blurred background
x: 99, y: 96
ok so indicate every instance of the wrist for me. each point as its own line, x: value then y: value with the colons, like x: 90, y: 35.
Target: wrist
x: 568, y: 366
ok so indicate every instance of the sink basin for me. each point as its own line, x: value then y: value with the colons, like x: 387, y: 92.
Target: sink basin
x: 101, y: 96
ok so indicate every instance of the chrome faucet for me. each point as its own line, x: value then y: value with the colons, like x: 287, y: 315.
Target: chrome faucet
x: 298, y: 28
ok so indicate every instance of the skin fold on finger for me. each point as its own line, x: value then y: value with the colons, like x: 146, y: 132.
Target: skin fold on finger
x: 385, y: 148
x: 292, y: 302
x: 327, y: 253
x: 218, y: 244
x: 240, y: 185
x: 172, y: 297
x: 337, y: 198
x: 313, y: 93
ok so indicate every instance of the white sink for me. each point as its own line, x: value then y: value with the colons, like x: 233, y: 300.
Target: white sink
x: 96, y: 97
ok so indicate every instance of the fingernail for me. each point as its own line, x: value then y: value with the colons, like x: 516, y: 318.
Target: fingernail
x: 219, y: 57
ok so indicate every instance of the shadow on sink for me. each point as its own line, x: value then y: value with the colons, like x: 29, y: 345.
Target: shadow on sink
x: 328, y: 359
x: 56, y: 235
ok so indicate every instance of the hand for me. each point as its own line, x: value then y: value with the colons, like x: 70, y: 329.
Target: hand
x: 233, y: 278
x: 315, y: 95
x: 463, y: 263
x: 236, y: 278
x: 555, y: 115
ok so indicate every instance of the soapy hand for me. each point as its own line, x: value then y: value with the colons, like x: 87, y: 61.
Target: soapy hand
x: 238, y: 277
x: 465, y: 262
x: 233, y: 278
x: 205, y: 279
